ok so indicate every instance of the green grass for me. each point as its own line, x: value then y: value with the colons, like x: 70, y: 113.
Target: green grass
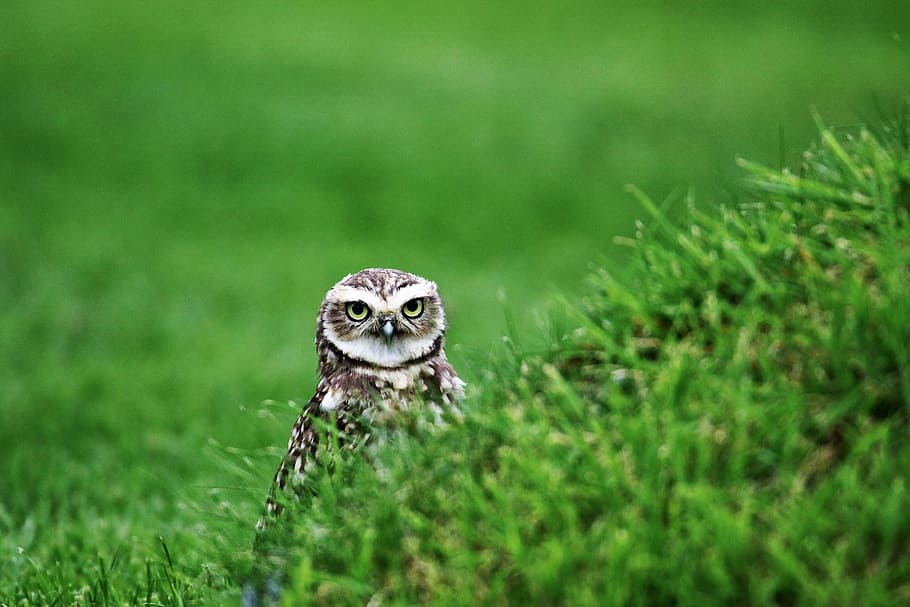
x: 179, y: 186
x: 728, y: 426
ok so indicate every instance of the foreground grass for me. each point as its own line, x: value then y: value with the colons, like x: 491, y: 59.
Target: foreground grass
x: 727, y: 427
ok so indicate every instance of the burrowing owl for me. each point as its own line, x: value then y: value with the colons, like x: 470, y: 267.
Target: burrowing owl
x: 379, y: 338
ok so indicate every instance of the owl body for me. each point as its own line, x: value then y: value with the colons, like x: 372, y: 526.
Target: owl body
x: 379, y: 339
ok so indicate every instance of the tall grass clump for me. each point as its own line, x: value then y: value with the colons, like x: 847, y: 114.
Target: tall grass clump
x: 727, y: 424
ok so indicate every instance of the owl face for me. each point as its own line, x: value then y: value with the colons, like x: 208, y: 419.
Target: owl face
x: 383, y: 317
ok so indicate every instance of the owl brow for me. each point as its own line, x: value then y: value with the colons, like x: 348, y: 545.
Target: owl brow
x: 347, y: 294
x: 410, y: 292
x: 391, y: 288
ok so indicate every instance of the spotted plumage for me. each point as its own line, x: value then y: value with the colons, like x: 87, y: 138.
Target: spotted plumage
x: 379, y: 339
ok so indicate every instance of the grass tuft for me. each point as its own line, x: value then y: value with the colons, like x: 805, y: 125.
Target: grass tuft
x: 727, y: 425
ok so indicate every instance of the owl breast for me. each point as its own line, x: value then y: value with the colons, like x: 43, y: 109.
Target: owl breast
x: 376, y: 393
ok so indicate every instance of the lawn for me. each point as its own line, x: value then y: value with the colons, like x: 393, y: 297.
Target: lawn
x: 180, y: 183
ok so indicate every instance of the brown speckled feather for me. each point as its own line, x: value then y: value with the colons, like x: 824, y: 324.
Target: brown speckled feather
x: 370, y: 367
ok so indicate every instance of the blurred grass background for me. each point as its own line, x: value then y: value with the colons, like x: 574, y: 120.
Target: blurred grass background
x: 180, y: 183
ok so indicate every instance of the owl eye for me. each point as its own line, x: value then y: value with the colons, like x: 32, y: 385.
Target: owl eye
x: 357, y: 310
x: 413, y: 308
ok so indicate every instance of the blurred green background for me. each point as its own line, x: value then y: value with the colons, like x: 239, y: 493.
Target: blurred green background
x: 181, y: 182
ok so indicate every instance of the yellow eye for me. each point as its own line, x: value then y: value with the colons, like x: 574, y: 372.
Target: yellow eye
x: 357, y: 310
x: 413, y: 308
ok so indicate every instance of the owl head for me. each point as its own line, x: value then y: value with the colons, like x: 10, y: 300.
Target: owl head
x: 382, y: 317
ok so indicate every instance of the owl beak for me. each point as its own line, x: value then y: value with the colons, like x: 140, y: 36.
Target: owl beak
x: 388, y: 329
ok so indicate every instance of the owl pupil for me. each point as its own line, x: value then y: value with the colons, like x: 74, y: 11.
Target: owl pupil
x: 357, y: 310
x: 413, y: 308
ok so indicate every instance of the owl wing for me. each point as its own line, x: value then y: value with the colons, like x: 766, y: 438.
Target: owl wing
x: 302, y: 454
